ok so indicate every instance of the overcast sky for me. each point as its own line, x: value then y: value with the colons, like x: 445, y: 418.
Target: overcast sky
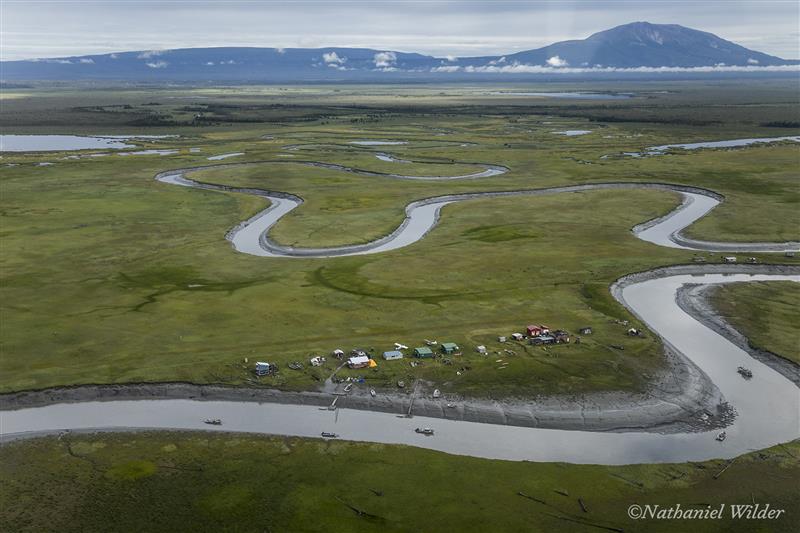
x: 51, y: 28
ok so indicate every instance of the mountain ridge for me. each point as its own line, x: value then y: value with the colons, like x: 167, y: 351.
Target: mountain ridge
x: 636, y: 45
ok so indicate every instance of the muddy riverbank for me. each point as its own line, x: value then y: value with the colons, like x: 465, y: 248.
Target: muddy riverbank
x: 681, y: 398
x: 695, y: 300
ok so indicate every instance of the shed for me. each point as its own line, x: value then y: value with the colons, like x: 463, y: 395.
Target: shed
x: 359, y: 361
x: 516, y: 336
x: 338, y: 353
x: 423, y: 352
x: 561, y: 336
x: 501, y: 338
x: 536, y: 330
x: 543, y: 339
x: 262, y: 369
x: 392, y: 355
x: 586, y: 330
x: 449, y: 347
x: 480, y: 349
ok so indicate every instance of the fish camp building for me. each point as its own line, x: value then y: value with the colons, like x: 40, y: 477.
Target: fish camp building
x: 449, y: 347
x: 358, y: 361
x: 392, y: 355
x: 423, y: 352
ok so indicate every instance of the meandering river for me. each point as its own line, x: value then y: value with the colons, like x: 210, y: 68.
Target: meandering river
x: 767, y: 406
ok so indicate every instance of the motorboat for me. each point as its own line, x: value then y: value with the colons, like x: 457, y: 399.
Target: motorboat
x: 424, y: 431
x: 328, y: 435
x: 746, y: 373
x: 213, y: 421
x: 721, y: 436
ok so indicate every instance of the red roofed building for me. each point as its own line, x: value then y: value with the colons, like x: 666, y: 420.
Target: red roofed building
x: 535, y: 331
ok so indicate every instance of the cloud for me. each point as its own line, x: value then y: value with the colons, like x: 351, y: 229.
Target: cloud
x: 113, y: 56
x: 385, y: 60
x: 520, y: 68
x: 280, y: 51
x: 556, y: 61
x: 87, y: 61
x: 451, y: 58
x: 333, y: 59
x: 209, y: 63
x: 157, y: 64
x: 752, y: 61
x: 446, y: 68
x: 57, y: 61
x: 149, y: 54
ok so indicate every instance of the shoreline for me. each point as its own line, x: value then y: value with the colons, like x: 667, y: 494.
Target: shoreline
x: 695, y: 301
x: 673, y: 402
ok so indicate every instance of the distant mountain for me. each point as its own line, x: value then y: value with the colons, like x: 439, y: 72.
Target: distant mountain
x: 637, y: 45
x: 641, y: 44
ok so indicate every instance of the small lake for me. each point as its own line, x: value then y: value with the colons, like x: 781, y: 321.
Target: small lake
x: 54, y: 143
x: 723, y: 144
x: 377, y: 143
x: 224, y: 156
x: 568, y: 95
x: 572, y: 133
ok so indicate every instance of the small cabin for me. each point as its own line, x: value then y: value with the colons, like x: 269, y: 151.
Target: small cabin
x: 536, y: 330
x: 317, y: 361
x: 449, y: 347
x: 561, y: 336
x: 517, y: 336
x: 587, y: 330
x: 392, y: 355
x: 501, y: 338
x: 423, y: 352
x: 543, y: 339
x: 338, y: 353
x: 359, y: 361
x: 481, y: 349
x: 262, y: 369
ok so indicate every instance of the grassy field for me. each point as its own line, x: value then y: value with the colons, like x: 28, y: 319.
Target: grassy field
x: 111, y: 277
x: 205, y: 482
x: 765, y: 312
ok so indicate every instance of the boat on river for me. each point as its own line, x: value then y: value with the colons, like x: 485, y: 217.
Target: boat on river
x: 213, y: 421
x: 721, y: 437
x: 746, y: 373
x: 328, y: 435
x: 425, y: 431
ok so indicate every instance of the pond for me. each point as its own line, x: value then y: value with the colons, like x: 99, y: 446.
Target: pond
x: 568, y: 95
x: 54, y: 143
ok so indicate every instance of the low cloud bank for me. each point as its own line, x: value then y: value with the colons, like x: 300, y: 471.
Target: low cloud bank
x: 519, y: 68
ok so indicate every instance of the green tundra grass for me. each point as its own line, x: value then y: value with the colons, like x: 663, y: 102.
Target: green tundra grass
x: 111, y: 277
x: 765, y: 312
x: 205, y: 482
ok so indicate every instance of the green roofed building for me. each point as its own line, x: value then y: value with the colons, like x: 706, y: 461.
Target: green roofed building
x: 449, y: 347
x: 423, y: 352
